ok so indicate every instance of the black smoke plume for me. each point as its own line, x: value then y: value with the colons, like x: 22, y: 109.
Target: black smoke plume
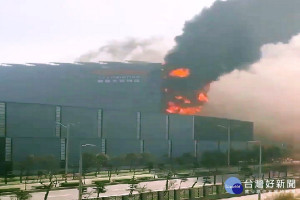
x: 228, y: 36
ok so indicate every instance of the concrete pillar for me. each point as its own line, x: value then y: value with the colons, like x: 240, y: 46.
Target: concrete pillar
x: 125, y: 197
x: 218, y: 189
x: 191, y: 193
x: 160, y: 195
x: 176, y: 194
x: 143, y: 196
x: 204, y: 191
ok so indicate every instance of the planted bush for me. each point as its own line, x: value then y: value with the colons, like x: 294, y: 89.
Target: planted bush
x: 72, y: 184
x: 102, y: 181
x: 9, y: 190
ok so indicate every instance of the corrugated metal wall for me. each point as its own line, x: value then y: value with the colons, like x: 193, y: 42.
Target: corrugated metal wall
x: 33, y: 130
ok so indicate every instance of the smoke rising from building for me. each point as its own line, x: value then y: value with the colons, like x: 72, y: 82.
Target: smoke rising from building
x: 226, y: 37
x: 150, y: 50
x: 220, y: 46
x: 268, y: 93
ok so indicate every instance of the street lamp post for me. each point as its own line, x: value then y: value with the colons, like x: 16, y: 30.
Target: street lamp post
x: 260, y: 157
x: 228, y: 141
x: 80, y: 168
x: 68, y: 126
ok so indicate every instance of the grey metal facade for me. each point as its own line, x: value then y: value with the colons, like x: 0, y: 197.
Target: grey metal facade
x: 111, y: 86
x: 32, y: 130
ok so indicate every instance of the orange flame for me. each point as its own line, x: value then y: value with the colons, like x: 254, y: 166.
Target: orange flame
x: 202, y: 97
x: 178, y: 97
x: 184, y: 99
x: 173, y: 108
x: 185, y: 106
x: 180, y: 72
x: 187, y: 101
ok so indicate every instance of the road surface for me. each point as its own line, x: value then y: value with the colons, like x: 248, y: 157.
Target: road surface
x: 122, y: 189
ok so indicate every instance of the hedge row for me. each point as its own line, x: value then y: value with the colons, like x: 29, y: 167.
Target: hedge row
x: 9, y: 190
x: 70, y: 184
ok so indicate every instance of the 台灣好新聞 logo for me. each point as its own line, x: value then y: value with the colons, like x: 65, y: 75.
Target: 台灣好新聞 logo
x: 233, y: 185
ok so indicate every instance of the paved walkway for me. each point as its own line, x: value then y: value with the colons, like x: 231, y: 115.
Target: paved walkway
x: 117, y: 190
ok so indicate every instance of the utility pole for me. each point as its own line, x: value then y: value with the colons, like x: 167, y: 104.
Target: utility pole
x: 80, y: 168
x: 67, y: 150
x: 228, y: 141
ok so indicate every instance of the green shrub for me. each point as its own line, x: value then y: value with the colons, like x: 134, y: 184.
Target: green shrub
x: 144, y: 178
x: 39, y: 187
x: 127, y: 181
x: 102, y: 181
x: 9, y: 190
x: 183, y: 175
x: 72, y: 184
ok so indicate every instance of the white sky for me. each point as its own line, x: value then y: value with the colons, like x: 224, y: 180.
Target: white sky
x: 62, y: 30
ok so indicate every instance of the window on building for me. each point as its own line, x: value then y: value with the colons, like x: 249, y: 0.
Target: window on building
x: 62, y: 149
x: 100, y: 113
x: 103, y: 146
x: 2, y: 119
x: 58, y: 120
x: 8, y: 149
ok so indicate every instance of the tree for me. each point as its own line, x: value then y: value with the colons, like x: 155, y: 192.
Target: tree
x: 132, y: 159
x: 22, y: 195
x: 241, y: 155
x: 114, y: 164
x: 187, y: 160
x: 48, y: 163
x: 246, y: 171
x: 213, y: 159
x: 148, y: 160
x: 101, y: 161
x: 51, y: 165
x: 100, y: 188
x: 26, y: 166
x: 89, y: 161
x: 52, y: 182
x: 275, y: 153
x: 132, y: 185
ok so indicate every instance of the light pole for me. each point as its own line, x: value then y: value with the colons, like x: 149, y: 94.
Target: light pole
x: 228, y: 141
x: 80, y: 168
x: 260, y: 156
x: 67, y: 126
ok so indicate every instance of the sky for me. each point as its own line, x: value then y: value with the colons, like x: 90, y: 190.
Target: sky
x: 63, y: 30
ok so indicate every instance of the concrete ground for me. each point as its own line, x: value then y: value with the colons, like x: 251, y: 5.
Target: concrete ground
x: 116, y: 190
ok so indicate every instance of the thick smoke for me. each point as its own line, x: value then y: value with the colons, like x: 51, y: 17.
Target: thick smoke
x: 150, y: 50
x: 229, y: 36
x: 268, y: 93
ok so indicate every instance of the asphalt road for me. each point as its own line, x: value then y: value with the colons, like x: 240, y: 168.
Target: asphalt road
x: 116, y: 190
x: 123, y: 189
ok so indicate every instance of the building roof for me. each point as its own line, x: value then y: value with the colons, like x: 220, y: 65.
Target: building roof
x: 109, y: 85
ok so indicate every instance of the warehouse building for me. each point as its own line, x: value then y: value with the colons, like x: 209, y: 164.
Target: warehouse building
x: 116, y: 106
